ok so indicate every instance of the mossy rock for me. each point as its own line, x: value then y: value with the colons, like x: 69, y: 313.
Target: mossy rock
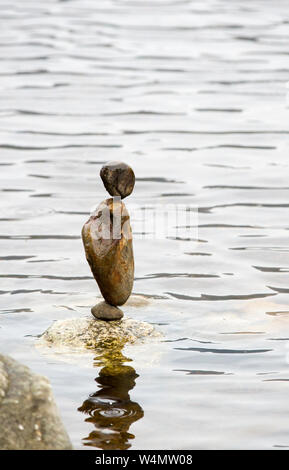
x: 91, y: 334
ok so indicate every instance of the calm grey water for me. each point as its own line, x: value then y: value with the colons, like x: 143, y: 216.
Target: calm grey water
x: 193, y: 96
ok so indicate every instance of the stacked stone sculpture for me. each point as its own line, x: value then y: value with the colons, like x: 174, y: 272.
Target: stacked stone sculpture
x: 107, y: 240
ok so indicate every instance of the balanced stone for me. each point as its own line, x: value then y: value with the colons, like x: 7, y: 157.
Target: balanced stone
x: 104, y: 311
x: 118, y: 179
x: 107, y: 240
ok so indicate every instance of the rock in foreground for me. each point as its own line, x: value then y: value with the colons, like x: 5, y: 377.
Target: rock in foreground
x: 28, y: 415
x: 88, y: 333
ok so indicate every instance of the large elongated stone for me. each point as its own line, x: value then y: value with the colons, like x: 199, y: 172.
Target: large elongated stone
x: 109, y: 251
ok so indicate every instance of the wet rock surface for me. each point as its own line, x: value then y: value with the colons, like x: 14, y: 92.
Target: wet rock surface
x: 28, y: 415
x: 109, y: 251
x: 104, y: 311
x: 86, y: 333
x: 118, y: 178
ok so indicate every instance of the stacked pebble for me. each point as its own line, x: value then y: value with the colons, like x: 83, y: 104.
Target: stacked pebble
x: 107, y: 240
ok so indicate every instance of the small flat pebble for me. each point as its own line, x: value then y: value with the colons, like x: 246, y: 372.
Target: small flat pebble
x: 105, y: 311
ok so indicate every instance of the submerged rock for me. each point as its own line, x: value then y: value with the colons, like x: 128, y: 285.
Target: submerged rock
x: 88, y: 333
x: 28, y: 414
x: 107, y: 240
x: 118, y: 178
x: 104, y: 311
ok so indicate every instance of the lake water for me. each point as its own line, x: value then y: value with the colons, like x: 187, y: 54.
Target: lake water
x: 193, y: 96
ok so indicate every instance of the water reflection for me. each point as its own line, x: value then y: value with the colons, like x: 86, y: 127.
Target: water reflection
x: 110, y: 409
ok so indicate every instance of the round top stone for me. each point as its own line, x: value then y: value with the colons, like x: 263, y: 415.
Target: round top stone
x: 118, y: 178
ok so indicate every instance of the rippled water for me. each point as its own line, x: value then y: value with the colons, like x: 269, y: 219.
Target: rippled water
x: 193, y: 96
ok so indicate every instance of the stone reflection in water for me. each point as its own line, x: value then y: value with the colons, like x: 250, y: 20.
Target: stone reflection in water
x: 110, y: 409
